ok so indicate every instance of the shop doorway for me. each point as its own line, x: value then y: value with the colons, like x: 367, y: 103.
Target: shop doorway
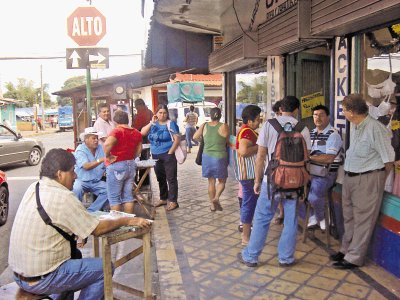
x: 308, y: 79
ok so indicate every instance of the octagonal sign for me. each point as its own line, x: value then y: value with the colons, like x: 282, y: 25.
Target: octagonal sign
x: 86, y: 26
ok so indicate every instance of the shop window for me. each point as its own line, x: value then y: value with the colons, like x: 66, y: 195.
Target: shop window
x: 250, y: 89
x: 381, y: 86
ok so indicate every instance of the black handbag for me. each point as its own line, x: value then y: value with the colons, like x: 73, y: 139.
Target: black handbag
x: 200, y: 152
x: 75, y: 252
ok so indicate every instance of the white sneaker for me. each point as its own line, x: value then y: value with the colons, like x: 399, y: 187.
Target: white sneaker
x: 312, y: 221
x: 322, y: 225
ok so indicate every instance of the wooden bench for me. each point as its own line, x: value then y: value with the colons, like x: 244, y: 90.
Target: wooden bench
x: 13, y: 291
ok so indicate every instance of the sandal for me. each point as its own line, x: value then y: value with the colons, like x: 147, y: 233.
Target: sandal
x: 217, y: 205
x: 278, y: 221
x: 212, y: 207
x: 161, y: 203
x: 172, y: 205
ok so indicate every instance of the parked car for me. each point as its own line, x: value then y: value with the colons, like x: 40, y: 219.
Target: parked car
x: 178, y: 111
x: 3, y: 198
x: 14, y: 148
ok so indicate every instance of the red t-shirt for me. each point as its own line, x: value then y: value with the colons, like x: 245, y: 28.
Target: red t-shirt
x: 143, y: 118
x: 245, y: 132
x: 127, y: 142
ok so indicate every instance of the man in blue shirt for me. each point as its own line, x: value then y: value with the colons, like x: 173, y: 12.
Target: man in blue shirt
x: 90, y: 169
x: 325, y: 147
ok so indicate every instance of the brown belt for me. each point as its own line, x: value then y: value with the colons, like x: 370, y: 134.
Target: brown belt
x: 351, y: 174
x: 29, y: 279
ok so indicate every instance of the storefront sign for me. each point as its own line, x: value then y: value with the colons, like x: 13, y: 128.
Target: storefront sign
x: 277, y: 7
x: 274, y: 83
x: 310, y: 101
x: 341, y: 81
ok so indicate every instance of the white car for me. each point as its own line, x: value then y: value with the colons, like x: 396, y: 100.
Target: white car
x: 178, y: 111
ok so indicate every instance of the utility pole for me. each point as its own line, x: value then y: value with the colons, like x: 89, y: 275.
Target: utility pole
x: 42, y: 96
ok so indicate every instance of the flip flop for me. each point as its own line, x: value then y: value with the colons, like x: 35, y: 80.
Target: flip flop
x: 217, y: 205
x: 171, y: 206
x: 161, y: 203
x: 278, y: 221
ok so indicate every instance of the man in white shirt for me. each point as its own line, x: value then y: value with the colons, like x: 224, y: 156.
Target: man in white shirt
x: 103, y: 122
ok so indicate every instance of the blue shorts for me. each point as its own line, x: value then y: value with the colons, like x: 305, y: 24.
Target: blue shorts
x: 213, y: 167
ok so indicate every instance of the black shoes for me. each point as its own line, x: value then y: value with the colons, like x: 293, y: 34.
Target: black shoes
x: 249, y: 264
x: 344, y: 265
x: 338, y: 256
x: 287, y: 265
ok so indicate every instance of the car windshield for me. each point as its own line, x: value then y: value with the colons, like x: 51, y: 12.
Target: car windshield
x: 207, y: 111
x: 187, y: 109
x: 5, y: 133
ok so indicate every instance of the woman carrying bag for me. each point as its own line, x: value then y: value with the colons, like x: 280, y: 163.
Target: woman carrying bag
x: 246, y: 147
x: 215, y: 156
x: 163, y: 144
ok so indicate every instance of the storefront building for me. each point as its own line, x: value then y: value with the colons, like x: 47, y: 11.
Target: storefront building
x: 319, y: 51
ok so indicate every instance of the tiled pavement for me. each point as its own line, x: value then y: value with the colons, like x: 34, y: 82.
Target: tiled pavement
x: 196, y: 255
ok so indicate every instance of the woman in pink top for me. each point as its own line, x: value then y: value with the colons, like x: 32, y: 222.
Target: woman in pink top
x: 121, y: 148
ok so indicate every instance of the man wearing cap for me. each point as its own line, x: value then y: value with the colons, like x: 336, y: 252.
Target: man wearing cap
x: 103, y: 122
x: 90, y: 168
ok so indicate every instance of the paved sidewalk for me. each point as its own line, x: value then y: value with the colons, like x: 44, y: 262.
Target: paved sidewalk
x: 196, y: 255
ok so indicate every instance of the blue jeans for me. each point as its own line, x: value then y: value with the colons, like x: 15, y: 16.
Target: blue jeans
x: 262, y: 218
x: 99, y: 188
x: 317, y: 195
x: 120, y: 179
x: 249, y: 201
x: 189, y: 136
x: 85, y: 275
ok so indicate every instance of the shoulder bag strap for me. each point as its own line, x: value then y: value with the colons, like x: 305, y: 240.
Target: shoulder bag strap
x: 275, y: 123
x: 45, y: 217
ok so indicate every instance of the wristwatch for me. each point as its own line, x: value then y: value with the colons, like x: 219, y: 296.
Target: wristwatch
x: 98, y: 160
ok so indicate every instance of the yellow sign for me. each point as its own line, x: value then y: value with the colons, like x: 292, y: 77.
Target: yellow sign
x: 395, y: 124
x: 310, y: 101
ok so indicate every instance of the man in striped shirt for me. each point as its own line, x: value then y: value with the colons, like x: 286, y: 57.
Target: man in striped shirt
x: 39, y: 255
x: 325, y: 147
x: 191, y: 120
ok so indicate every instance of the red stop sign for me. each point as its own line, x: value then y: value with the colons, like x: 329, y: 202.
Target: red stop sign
x: 86, y: 26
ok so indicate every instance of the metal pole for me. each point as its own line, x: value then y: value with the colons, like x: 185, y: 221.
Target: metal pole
x: 88, y: 97
x: 42, y: 96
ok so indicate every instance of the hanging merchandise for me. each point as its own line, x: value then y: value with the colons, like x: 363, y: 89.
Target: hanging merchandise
x: 381, y: 90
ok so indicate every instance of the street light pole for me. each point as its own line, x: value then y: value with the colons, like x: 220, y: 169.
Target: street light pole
x: 41, y: 95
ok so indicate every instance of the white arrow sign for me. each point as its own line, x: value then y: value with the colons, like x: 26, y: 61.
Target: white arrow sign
x: 100, y: 58
x: 75, y: 59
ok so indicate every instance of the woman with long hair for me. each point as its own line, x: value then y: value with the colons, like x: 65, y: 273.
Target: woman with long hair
x: 164, y: 138
x: 215, y: 156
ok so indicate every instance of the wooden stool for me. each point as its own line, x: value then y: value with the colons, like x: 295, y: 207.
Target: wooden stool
x: 120, y: 235
x: 13, y: 291
x: 327, y: 219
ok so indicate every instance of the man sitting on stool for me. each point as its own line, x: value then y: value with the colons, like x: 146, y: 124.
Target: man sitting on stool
x: 325, y: 147
x: 90, y: 169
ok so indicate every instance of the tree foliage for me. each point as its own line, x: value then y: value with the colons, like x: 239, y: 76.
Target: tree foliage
x: 69, y: 84
x: 25, y: 91
x: 254, y: 92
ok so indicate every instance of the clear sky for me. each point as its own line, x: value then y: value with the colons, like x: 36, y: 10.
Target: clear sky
x: 39, y: 28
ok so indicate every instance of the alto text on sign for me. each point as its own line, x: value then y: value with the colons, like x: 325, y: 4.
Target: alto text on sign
x: 86, y: 26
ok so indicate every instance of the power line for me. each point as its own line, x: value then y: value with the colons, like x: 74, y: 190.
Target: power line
x: 58, y: 57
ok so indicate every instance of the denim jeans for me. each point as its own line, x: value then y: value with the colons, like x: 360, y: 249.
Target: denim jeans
x: 249, y: 201
x: 99, y: 188
x: 166, y: 170
x: 317, y: 195
x: 189, y: 136
x: 85, y: 275
x: 120, y: 178
x: 263, y: 215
